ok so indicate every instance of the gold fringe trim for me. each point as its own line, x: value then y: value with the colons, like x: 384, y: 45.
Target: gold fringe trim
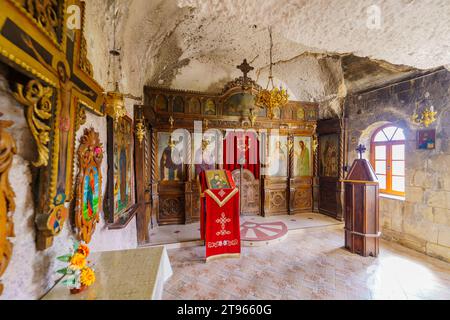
x: 223, y: 256
x: 221, y: 203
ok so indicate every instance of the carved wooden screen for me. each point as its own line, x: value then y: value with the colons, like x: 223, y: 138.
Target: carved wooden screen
x: 175, y: 197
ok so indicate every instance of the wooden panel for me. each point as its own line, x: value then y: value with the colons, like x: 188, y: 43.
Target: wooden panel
x: 249, y: 192
x: 276, y: 197
x: 327, y: 196
x: 301, y: 195
x: 171, y: 203
x: 192, y: 198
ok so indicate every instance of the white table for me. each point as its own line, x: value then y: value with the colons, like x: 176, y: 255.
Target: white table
x: 137, y: 274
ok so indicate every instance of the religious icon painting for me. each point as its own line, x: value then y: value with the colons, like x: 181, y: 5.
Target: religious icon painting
x: 161, y: 104
x: 329, y: 155
x: 56, y: 220
x: 91, y: 194
x: 278, y: 156
x: 209, y: 108
x: 277, y: 113
x: 195, y: 106
x: 178, y: 104
x: 171, y: 151
x: 217, y: 179
x: 89, y: 184
x: 300, y: 114
x: 239, y: 104
x: 302, y: 156
x: 426, y: 139
x: 207, y: 151
x: 311, y: 114
x: 120, y: 195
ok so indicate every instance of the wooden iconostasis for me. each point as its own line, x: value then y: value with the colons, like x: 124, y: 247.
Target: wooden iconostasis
x: 283, y: 152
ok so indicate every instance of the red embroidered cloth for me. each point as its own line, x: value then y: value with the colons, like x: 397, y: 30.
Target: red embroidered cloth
x: 219, y: 222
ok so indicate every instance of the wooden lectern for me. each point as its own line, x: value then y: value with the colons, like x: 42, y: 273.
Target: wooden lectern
x: 362, y: 230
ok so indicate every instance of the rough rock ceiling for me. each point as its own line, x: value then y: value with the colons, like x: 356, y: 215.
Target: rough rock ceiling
x: 196, y: 44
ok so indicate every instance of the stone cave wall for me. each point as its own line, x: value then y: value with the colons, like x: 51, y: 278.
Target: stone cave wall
x: 422, y: 220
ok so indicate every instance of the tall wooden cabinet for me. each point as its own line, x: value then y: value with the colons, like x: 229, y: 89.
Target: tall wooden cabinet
x: 362, y: 230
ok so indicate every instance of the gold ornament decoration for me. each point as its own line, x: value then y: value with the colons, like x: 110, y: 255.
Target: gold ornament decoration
x: 171, y: 143
x: 427, y: 117
x: 37, y: 99
x: 7, y: 204
x: 115, y: 104
x: 252, y: 117
x: 139, y: 127
x: 140, y: 130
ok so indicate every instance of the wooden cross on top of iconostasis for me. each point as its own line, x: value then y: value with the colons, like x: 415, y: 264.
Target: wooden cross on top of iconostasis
x: 245, y: 68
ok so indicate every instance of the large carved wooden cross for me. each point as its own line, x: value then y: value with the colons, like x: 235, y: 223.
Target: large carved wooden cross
x: 35, y: 39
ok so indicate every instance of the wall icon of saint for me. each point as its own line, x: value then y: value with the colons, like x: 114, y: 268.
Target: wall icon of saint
x: 170, y: 157
x: 278, y: 156
x: 302, y: 156
x: 329, y: 145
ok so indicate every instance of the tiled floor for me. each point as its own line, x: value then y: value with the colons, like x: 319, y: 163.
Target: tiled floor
x: 308, y: 265
x: 190, y: 232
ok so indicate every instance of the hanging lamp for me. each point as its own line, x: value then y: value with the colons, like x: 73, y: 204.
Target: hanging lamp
x: 114, y: 100
x: 275, y: 97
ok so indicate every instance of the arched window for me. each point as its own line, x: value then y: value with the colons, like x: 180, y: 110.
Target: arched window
x: 387, y: 153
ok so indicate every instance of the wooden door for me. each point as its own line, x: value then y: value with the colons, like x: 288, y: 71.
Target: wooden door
x: 249, y: 189
x: 331, y: 153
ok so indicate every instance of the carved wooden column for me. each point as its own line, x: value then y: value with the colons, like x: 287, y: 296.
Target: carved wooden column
x: 316, y: 172
x: 265, y: 199
x: 340, y: 196
x: 290, y: 181
x: 154, y: 173
x: 188, y: 188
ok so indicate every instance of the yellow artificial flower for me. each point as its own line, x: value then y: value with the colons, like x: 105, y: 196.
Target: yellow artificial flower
x: 83, y: 249
x: 87, y: 276
x: 78, y: 261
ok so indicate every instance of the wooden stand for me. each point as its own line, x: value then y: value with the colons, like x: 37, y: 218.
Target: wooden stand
x: 362, y: 210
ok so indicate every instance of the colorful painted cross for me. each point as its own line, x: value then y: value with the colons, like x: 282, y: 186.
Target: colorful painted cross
x: 35, y: 39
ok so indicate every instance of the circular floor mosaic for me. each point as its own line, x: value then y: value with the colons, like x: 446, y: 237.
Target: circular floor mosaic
x: 259, y: 234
